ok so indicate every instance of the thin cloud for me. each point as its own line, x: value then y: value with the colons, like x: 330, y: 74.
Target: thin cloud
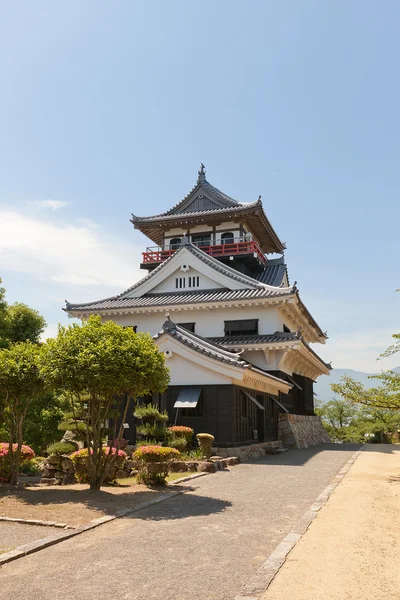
x: 66, y: 255
x: 51, y: 204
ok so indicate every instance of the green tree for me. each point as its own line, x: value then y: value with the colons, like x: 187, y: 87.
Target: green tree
x: 24, y: 323
x: 20, y: 384
x: 3, y: 318
x: 95, y: 364
x: 339, y: 418
x: 42, y: 420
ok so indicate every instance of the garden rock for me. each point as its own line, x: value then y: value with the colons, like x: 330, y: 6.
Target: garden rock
x: 206, y: 467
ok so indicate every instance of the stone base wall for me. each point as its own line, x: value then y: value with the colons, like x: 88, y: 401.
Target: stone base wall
x: 248, y: 452
x: 302, y: 431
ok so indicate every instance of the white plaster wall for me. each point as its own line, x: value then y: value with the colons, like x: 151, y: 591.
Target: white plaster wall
x: 256, y: 358
x: 169, y: 284
x: 185, y: 372
x: 209, y: 322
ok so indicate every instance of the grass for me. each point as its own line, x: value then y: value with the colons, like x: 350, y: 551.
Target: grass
x: 171, y: 477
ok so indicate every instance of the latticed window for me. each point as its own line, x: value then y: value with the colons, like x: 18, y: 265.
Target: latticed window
x: 242, y: 327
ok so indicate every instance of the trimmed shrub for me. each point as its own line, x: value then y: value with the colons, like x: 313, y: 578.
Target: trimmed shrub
x: 33, y: 466
x: 26, y: 454
x: 180, y: 443
x: 80, y: 458
x: 153, y: 431
x: 62, y: 448
x: 182, y: 431
x: 150, y: 414
x: 153, y: 462
x: 205, y: 441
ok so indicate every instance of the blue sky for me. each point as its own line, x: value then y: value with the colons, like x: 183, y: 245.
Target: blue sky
x: 108, y: 108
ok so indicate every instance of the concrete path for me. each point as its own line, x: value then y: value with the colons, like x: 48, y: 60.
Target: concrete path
x: 352, y: 549
x: 17, y: 534
x: 204, y: 544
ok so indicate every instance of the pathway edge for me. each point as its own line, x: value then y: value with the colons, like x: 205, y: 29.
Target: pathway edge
x: 261, y: 581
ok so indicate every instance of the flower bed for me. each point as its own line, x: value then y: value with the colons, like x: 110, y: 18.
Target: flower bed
x: 80, y: 458
x: 26, y: 454
x: 153, y: 463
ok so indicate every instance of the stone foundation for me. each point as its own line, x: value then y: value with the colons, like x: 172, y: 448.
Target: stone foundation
x: 302, y: 431
x: 245, y: 453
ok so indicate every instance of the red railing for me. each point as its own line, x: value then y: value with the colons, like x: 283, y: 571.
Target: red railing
x: 157, y: 254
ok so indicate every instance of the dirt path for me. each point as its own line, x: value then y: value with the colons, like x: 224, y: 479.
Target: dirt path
x: 352, y: 549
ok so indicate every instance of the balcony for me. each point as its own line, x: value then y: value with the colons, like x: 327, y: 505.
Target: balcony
x: 238, y: 247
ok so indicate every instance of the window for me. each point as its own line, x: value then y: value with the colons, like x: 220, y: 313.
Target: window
x: 227, y: 238
x: 180, y: 282
x: 175, y: 243
x: 202, y: 240
x: 286, y: 329
x: 187, y: 326
x: 243, y: 327
x: 192, y: 282
x: 197, y: 411
x: 134, y: 327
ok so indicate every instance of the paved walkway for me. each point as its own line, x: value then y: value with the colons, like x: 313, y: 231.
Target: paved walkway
x: 204, y: 544
x: 17, y: 534
x: 352, y: 549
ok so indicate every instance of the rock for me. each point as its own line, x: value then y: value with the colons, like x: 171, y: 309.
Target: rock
x: 178, y: 466
x: 233, y: 460
x: 191, y: 465
x: 121, y: 474
x: 48, y: 481
x: 53, y: 460
x: 59, y: 475
x: 206, y: 467
x: 67, y: 464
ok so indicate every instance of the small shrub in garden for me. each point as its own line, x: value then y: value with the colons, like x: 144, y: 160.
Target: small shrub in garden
x: 80, y: 458
x: 62, y: 448
x: 153, y: 463
x: 182, y: 431
x: 121, y: 443
x: 205, y: 441
x: 33, y: 466
x: 180, y: 443
x: 150, y: 414
x: 145, y: 442
x: 26, y: 454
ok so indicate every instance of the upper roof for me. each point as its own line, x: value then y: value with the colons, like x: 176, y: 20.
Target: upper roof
x: 205, y: 204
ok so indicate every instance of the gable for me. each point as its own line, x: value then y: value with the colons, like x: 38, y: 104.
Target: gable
x: 188, y: 259
x: 187, y: 279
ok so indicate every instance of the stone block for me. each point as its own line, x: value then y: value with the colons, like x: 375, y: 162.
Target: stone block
x: 206, y: 467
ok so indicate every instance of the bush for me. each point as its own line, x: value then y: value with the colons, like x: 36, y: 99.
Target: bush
x: 33, y: 466
x: 62, y: 448
x: 180, y: 443
x: 80, y: 458
x: 153, y: 431
x: 26, y: 454
x: 181, y: 431
x: 120, y: 443
x: 141, y: 443
x: 205, y: 441
x: 150, y: 414
x: 153, y: 463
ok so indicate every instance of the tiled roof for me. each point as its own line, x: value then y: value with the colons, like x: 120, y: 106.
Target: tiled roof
x: 278, y: 337
x: 270, y: 338
x: 273, y: 273
x: 209, y: 348
x: 120, y: 301
x: 177, y: 298
x: 217, y: 211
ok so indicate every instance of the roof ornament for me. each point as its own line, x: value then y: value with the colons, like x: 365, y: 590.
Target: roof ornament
x: 168, y: 324
x: 298, y: 333
x: 295, y: 288
x: 201, y: 174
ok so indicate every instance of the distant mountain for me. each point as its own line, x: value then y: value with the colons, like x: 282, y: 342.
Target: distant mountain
x: 323, y: 386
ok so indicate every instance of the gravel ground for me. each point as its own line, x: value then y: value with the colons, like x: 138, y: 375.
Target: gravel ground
x: 205, y: 544
x: 361, y: 521
x: 16, y: 534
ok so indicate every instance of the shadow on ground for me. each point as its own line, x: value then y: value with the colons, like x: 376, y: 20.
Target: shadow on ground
x: 109, y: 504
